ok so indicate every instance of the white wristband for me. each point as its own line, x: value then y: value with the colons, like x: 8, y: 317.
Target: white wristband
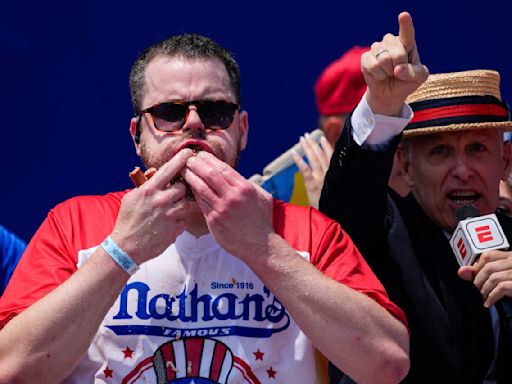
x: 119, y: 256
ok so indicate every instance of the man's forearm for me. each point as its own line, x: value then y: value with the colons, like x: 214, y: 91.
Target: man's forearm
x: 48, y: 339
x: 350, y: 329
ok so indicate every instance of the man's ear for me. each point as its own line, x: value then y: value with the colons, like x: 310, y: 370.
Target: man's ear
x: 244, y: 129
x: 507, y: 160
x: 402, y: 155
x: 135, y: 133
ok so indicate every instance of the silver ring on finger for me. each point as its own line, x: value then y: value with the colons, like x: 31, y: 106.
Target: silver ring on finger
x: 380, y: 53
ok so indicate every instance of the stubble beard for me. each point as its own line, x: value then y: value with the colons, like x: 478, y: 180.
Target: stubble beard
x: 150, y: 160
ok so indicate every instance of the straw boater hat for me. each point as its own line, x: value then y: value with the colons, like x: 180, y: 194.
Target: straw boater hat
x: 458, y: 101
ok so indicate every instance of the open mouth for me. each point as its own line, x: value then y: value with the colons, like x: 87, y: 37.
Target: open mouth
x: 464, y: 197
x: 195, y: 147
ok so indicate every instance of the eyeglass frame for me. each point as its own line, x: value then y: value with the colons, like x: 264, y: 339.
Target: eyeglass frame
x: 181, y: 102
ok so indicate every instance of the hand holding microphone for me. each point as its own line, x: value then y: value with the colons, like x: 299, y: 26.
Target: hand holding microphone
x: 491, y: 273
x: 475, y: 235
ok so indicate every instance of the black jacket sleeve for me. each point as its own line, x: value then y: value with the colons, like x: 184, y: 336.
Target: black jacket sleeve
x: 355, y: 191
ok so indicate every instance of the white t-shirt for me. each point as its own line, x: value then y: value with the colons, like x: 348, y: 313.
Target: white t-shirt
x: 194, y: 314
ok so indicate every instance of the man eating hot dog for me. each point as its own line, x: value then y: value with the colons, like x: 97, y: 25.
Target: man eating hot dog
x: 147, y: 285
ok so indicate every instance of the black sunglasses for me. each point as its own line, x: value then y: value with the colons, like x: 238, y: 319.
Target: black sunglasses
x: 172, y: 115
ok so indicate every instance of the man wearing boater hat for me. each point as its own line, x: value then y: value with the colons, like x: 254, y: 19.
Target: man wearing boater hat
x: 453, y: 154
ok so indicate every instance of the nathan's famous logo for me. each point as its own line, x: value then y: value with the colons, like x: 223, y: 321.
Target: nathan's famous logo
x: 192, y: 361
x: 192, y: 308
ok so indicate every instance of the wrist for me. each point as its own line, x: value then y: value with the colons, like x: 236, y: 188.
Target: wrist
x: 117, y: 254
x: 384, y: 106
x: 260, y: 257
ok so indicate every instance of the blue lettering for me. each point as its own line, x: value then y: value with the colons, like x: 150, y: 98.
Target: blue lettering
x: 166, y: 304
x: 194, y: 307
x: 217, y: 285
x: 142, y: 297
x: 230, y: 300
x: 257, y: 300
x: 275, y: 311
x: 205, y: 300
x: 182, y: 297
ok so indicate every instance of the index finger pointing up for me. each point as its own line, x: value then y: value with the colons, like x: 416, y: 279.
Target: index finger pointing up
x: 406, y: 31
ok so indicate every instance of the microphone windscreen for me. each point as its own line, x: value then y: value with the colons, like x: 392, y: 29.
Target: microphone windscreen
x: 464, y: 212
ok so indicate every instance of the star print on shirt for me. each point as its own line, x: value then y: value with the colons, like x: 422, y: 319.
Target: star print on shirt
x: 258, y: 355
x: 127, y: 353
x: 108, y: 372
x: 271, y: 373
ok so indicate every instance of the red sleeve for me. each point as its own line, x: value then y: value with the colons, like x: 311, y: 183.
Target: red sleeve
x: 46, y: 263
x: 331, y: 250
x: 334, y: 253
x: 51, y: 256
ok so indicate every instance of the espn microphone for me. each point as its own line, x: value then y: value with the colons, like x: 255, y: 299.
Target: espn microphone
x: 475, y: 234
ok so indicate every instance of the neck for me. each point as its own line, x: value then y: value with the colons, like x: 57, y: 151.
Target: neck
x: 196, y: 223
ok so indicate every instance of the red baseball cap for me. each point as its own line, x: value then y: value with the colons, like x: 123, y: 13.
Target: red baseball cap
x: 341, y: 84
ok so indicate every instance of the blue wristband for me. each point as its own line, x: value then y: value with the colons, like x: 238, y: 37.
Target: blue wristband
x: 119, y: 256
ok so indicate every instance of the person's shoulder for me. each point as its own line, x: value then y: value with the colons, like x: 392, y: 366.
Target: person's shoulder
x: 92, y: 204
x: 82, y: 221
x: 284, y: 208
x: 303, y: 227
x: 299, y: 215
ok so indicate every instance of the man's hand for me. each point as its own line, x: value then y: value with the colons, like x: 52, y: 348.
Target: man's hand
x: 319, y: 156
x: 237, y: 211
x: 392, y: 69
x: 491, y: 274
x: 153, y: 215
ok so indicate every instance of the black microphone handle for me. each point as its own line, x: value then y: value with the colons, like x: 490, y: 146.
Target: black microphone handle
x: 503, y: 370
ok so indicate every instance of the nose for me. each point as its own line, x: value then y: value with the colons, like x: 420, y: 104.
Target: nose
x: 462, y: 168
x: 193, y: 123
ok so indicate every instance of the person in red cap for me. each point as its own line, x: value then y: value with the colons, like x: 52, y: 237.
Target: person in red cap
x: 299, y: 181
x: 338, y: 90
